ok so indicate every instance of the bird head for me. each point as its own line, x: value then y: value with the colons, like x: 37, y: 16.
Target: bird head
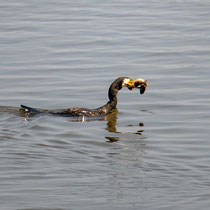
x: 140, y: 84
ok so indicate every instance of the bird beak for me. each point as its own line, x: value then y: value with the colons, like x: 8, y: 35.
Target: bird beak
x: 141, y: 84
x: 129, y: 83
x: 138, y: 83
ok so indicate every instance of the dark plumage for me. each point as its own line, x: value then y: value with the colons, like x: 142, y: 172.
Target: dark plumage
x: 103, y: 110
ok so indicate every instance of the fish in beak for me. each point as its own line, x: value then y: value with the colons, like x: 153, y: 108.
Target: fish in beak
x: 140, y: 84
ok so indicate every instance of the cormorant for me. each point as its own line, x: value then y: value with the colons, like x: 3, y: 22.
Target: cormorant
x: 103, y: 110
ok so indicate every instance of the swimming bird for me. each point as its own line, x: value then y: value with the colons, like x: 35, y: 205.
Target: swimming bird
x: 110, y: 106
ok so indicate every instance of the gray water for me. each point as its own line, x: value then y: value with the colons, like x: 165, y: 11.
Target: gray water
x: 154, y: 153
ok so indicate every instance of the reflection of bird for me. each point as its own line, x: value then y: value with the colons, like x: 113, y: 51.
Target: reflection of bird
x: 103, y: 110
x: 112, y: 128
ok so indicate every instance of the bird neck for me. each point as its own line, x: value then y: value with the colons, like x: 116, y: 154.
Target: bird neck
x: 112, y: 93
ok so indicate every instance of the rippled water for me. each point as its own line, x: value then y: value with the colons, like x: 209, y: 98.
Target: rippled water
x: 151, y: 154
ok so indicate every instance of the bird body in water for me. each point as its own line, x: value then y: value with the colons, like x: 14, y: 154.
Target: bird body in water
x: 110, y: 106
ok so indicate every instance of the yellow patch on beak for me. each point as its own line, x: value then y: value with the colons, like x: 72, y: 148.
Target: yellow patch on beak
x: 128, y: 83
